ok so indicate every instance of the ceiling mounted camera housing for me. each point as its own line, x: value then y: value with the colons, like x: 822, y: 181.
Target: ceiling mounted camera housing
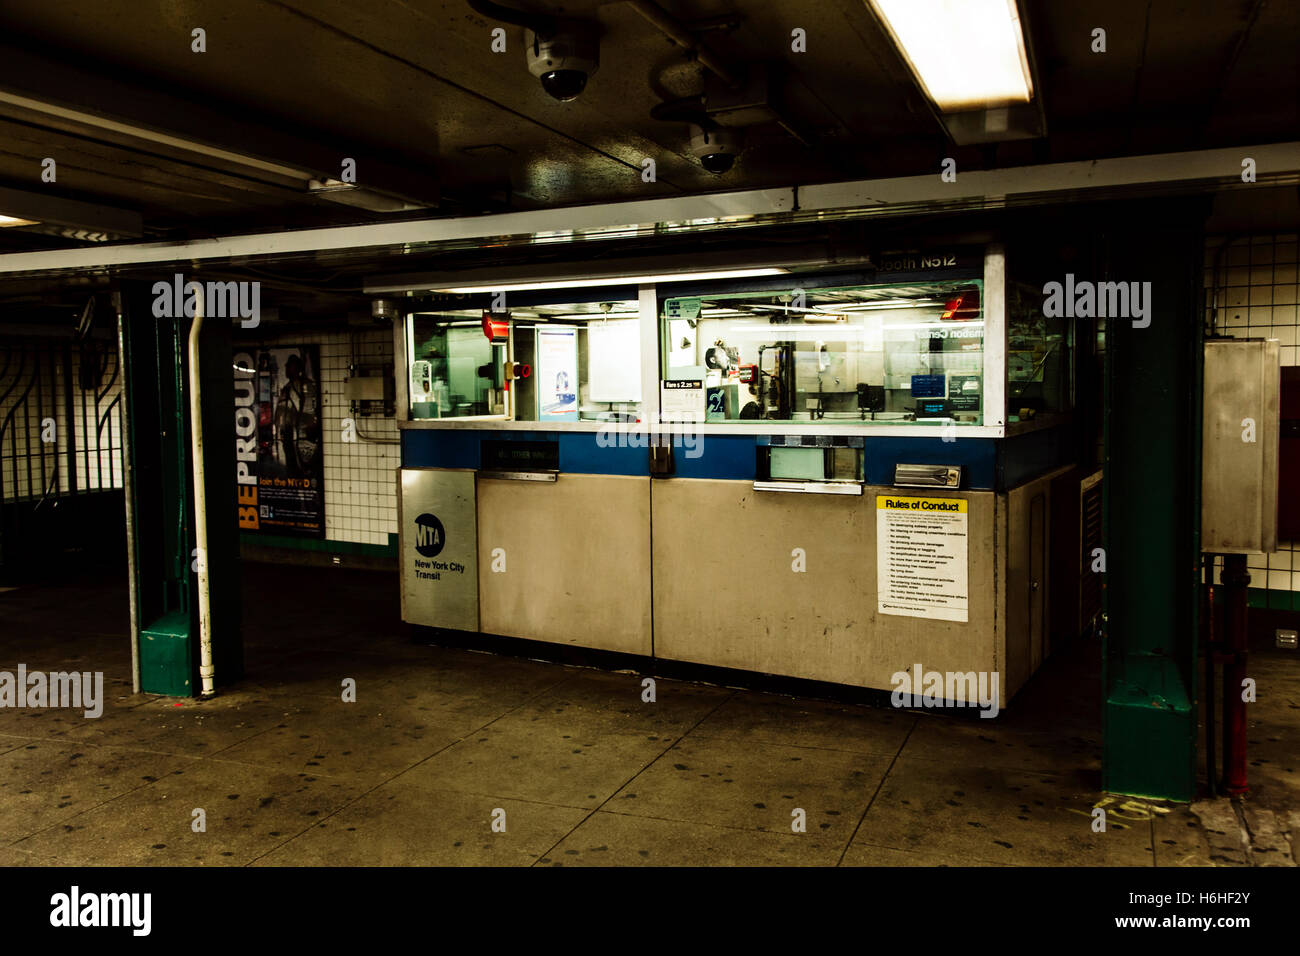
x: 717, y: 148
x: 564, y: 59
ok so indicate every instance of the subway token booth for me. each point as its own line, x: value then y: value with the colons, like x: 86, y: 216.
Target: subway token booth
x: 821, y: 474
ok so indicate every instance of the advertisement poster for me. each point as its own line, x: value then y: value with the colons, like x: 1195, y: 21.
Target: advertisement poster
x: 556, y: 377
x: 279, y: 457
x: 921, y: 557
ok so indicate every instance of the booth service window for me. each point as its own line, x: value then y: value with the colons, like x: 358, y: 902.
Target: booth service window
x: 899, y: 353
x: 566, y: 362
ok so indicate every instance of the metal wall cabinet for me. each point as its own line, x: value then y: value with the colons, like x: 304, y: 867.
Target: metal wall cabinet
x: 1240, y: 435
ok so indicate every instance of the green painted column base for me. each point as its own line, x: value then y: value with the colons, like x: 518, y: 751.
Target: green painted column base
x: 165, y: 659
x: 1150, y: 737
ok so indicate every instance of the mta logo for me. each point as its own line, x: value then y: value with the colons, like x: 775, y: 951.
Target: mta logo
x: 430, y: 536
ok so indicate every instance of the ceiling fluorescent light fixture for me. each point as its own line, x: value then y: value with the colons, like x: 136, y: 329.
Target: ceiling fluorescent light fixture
x: 85, y: 118
x: 351, y: 194
x: 966, y: 54
x: 69, y: 218
x: 329, y: 185
x: 616, y: 280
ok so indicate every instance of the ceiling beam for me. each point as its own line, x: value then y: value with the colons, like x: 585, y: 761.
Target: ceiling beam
x: 1199, y: 171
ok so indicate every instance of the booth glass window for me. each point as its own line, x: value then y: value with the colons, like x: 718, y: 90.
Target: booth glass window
x: 900, y: 353
x: 557, y: 362
x: 446, y: 359
x: 1038, y: 356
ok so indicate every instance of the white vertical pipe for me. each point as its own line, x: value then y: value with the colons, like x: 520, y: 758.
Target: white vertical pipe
x: 207, y: 673
x: 128, y: 490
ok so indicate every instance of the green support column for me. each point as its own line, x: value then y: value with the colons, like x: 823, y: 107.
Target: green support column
x: 1152, y: 504
x: 155, y: 376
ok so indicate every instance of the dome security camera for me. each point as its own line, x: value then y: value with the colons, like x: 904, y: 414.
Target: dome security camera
x: 716, y: 148
x: 565, y: 58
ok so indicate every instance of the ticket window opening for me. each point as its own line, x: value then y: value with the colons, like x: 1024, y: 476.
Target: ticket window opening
x: 804, y: 464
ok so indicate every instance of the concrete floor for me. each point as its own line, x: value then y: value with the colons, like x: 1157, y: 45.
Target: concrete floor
x: 439, y: 741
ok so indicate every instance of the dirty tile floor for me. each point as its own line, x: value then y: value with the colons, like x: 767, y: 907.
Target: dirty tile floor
x: 570, y: 764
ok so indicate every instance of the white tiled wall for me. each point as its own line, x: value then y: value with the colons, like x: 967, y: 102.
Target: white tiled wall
x: 1256, y: 294
x: 360, y: 477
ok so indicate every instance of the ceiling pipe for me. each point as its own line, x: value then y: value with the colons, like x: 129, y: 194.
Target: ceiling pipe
x: 672, y: 28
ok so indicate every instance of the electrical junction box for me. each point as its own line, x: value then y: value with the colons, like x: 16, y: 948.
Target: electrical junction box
x: 365, y: 388
x: 1240, y: 438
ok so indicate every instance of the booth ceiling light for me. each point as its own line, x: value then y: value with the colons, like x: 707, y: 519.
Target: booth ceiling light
x: 616, y: 280
x: 15, y: 221
x: 935, y: 325
x: 966, y: 54
x: 803, y: 333
x: 883, y: 304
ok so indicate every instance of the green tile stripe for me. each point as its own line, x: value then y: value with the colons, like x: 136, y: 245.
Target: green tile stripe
x: 322, y: 544
x: 1275, y: 600
x: 1270, y: 599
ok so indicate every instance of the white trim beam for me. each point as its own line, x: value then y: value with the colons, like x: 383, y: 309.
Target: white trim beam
x: 1276, y: 164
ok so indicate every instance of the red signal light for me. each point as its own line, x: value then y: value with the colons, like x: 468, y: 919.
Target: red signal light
x: 496, y: 328
x: 963, y: 307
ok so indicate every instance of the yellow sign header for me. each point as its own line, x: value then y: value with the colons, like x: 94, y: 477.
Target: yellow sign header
x: 927, y: 505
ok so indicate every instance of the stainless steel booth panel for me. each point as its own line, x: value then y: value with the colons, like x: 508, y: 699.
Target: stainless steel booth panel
x: 1025, y: 553
x: 438, y: 537
x: 725, y: 593
x: 576, y: 554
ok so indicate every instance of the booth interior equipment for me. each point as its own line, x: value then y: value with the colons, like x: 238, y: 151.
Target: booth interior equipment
x: 826, y: 474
